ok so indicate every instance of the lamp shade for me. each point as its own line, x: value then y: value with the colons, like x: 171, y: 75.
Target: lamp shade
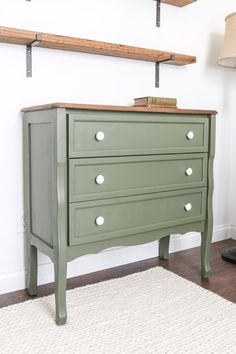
x: 227, y: 55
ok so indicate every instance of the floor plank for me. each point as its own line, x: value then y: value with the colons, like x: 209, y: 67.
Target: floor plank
x: 222, y: 280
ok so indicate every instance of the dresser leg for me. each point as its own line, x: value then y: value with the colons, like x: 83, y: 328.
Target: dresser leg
x: 32, y: 273
x: 205, y: 252
x: 60, y: 268
x: 164, y: 247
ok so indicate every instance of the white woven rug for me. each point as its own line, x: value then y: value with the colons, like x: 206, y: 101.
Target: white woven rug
x: 154, y: 311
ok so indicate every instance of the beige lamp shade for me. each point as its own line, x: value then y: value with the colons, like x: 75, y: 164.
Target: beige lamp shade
x: 227, y: 56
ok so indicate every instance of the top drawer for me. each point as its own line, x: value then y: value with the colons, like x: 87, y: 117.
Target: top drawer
x: 129, y: 133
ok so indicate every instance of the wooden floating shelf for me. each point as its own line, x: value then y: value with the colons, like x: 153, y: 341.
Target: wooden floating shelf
x: 46, y: 40
x: 178, y: 3
x: 24, y: 37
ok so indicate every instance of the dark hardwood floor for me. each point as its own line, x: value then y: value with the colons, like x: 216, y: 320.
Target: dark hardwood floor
x: 222, y: 280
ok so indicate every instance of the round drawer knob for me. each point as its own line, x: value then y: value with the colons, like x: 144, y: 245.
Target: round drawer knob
x: 190, y: 135
x: 99, y: 136
x: 189, y: 171
x: 99, y: 179
x: 99, y: 220
x: 188, y: 206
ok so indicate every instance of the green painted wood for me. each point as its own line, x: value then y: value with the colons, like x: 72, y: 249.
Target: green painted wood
x: 41, y: 161
x: 40, y: 132
x: 42, y: 246
x: 32, y: 271
x: 31, y: 281
x: 208, y: 230
x: 60, y: 271
x: 164, y: 247
x: 134, y: 175
x: 134, y: 239
x: 129, y: 215
x: 142, y: 157
x: 156, y: 135
x: 60, y: 232
x: 46, y: 193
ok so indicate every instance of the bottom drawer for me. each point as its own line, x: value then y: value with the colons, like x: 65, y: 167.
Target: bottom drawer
x: 110, y: 218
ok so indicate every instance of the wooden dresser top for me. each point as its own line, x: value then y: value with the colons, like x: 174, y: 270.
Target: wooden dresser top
x: 117, y: 108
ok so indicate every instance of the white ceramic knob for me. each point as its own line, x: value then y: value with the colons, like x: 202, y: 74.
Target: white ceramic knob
x: 99, y: 179
x: 99, y: 136
x: 190, y: 135
x: 99, y: 220
x: 189, y: 171
x: 188, y: 206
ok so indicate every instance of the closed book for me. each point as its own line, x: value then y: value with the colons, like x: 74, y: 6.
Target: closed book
x: 158, y: 106
x: 155, y: 106
x: 163, y: 101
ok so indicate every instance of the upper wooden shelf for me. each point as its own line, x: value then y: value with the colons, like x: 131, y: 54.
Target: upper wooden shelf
x: 178, y: 3
x: 24, y: 37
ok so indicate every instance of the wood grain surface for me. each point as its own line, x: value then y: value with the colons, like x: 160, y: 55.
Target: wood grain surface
x: 117, y: 108
x: 24, y: 37
x: 178, y: 3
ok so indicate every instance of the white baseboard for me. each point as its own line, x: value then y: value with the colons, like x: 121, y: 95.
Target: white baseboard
x: 233, y: 232
x: 111, y: 258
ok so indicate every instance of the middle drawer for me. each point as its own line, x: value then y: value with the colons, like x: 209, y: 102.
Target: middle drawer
x: 99, y: 178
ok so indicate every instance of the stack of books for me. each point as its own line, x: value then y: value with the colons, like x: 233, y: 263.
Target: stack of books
x: 155, y: 102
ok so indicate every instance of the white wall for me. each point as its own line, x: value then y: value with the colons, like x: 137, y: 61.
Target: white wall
x: 196, y: 29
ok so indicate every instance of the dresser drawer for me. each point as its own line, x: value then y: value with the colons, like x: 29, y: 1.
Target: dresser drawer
x: 98, y: 178
x: 115, y: 134
x: 110, y: 218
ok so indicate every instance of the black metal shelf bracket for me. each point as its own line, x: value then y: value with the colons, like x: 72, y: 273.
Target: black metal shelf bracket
x: 36, y: 42
x: 157, y: 69
x: 158, y: 13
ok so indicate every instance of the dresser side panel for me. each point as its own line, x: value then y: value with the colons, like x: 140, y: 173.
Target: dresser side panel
x: 41, y: 160
x: 41, y: 128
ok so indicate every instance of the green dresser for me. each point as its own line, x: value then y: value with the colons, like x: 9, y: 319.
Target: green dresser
x: 103, y: 176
